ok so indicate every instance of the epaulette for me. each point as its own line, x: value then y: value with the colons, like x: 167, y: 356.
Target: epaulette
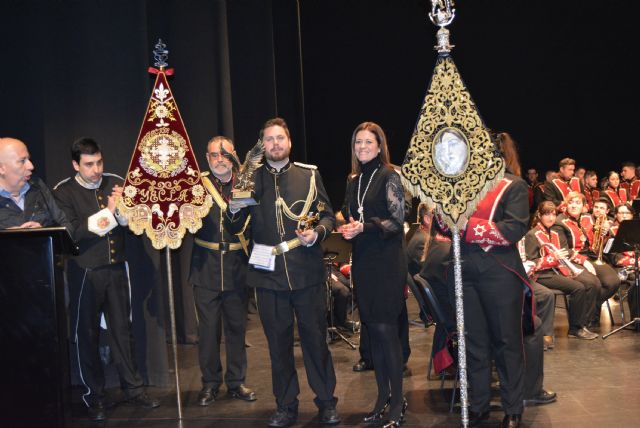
x: 305, y: 165
x: 204, y: 173
x: 109, y: 174
x: 61, y: 182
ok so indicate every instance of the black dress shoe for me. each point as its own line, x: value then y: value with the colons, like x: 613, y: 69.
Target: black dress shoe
x: 511, y: 421
x: 376, y: 415
x: 144, y: 401
x: 361, y: 366
x: 207, y: 395
x: 243, y: 393
x: 476, y: 418
x: 397, y: 421
x: 282, y: 418
x: 97, y: 412
x: 329, y: 416
x: 544, y: 397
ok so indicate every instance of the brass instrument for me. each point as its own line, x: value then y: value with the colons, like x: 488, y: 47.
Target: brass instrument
x: 598, y: 238
x: 575, y: 270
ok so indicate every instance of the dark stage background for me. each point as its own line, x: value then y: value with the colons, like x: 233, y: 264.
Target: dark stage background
x: 555, y: 75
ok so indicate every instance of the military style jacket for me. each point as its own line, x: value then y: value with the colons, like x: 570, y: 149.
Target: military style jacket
x: 78, y: 204
x: 283, y: 196
x: 218, y: 259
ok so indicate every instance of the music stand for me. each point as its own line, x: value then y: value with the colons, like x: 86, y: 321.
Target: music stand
x: 635, y: 204
x: 336, y: 250
x: 628, y: 238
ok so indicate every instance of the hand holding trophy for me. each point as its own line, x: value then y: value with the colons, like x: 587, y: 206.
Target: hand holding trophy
x: 243, y: 190
x: 306, y: 233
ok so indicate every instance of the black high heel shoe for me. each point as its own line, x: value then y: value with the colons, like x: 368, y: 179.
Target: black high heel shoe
x: 376, y: 415
x: 392, y: 423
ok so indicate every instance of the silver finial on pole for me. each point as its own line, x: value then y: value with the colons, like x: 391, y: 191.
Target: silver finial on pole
x: 442, y: 14
x: 160, y: 54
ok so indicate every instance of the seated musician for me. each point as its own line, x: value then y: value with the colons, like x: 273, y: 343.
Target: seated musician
x: 591, y: 190
x: 625, y: 262
x: 554, y: 269
x: 578, y: 231
x: 614, y: 193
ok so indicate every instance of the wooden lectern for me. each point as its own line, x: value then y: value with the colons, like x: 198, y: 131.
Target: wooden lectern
x: 33, y: 328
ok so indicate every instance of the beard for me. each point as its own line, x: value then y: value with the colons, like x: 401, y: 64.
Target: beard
x: 278, y: 156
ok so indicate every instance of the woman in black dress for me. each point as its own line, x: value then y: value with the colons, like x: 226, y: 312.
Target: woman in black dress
x: 374, y: 207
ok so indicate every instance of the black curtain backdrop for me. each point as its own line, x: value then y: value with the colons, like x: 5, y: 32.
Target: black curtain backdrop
x: 555, y: 75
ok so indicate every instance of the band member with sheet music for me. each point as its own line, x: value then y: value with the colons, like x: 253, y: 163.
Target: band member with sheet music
x: 629, y: 180
x: 25, y: 201
x: 548, y: 250
x: 287, y: 269
x: 218, y: 276
x: 626, y: 260
x: 558, y: 188
x: 374, y: 205
x: 578, y: 231
x: 615, y: 193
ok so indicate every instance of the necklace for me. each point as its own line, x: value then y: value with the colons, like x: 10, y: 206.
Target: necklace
x: 358, y: 199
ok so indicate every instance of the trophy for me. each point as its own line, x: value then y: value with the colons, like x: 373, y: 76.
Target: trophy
x: 243, y: 190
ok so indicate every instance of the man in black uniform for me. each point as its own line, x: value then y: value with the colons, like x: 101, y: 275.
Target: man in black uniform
x: 25, y: 201
x: 218, y: 275
x: 98, y: 279
x: 287, y: 269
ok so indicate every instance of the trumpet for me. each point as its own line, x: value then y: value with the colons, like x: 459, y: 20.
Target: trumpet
x: 598, y: 238
x: 575, y: 270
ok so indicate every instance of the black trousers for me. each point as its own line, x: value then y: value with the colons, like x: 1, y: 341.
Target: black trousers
x: 534, y: 361
x: 216, y: 309
x: 583, y: 292
x: 493, y: 303
x: 610, y: 281
x: 403, y: 332
x: 545, y: 302
x: 103, y: 290
x: 277, y: 310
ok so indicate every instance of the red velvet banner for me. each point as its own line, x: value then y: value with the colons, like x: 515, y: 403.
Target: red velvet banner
x: 163, y: 192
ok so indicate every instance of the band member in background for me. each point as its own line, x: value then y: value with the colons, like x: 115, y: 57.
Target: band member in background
x: 98, y: 278
x: 218, y: 275
x: 374, y: 204
x: 627, y: 259
x: 580, y: 171
x: 557, y: 189
x: 536, y: 188
x: 290, y: 276
x: 629, y: 180
x: 25, y: 201
x: 615, y: 193
x: 578, y: 231
x: 552, y: 267
x: 495, y: 283
x: 591, y: 191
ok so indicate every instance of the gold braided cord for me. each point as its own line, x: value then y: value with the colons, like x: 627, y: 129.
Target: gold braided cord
x: 449, y: 109
x: 311, y: 196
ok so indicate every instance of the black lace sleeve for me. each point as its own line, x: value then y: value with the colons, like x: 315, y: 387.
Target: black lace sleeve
x: 395, y: 203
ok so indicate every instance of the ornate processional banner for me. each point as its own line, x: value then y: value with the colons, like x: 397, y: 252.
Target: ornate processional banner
x: 163, y: 191
x: 451, y: 162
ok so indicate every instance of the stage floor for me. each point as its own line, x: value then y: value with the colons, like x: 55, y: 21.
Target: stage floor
x: 597, y: 382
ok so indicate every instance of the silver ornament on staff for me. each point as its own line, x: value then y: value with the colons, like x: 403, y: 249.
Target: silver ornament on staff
x: 451, y: 162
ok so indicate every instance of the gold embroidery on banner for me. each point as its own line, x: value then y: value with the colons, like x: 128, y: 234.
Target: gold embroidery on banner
x: 453, y: 179
x: 162, y: 153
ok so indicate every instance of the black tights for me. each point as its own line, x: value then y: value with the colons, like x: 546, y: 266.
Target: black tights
x: 387, y: 363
